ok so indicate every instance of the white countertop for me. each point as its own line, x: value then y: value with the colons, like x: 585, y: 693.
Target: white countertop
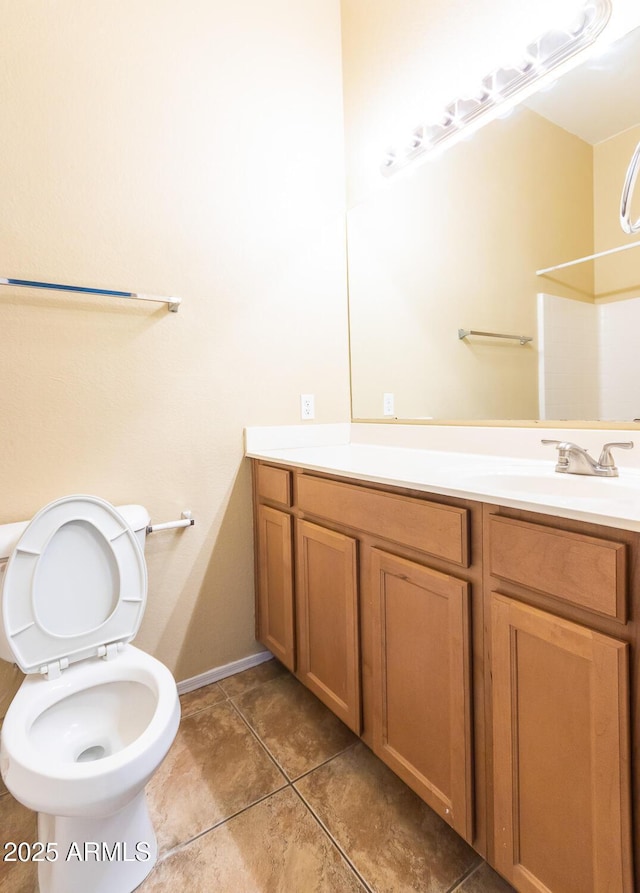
x: 514, y: 481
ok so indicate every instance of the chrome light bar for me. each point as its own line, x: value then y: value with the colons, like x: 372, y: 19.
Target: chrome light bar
x: 501, y: 86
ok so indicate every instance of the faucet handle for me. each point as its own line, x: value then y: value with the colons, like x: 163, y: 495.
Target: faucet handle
x: 563, y: 452
x: 606, y: 458
x: 561, y: 444
x: 563, y: 447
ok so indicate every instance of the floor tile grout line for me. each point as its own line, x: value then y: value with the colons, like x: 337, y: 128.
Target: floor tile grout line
x: 239, y: 713
x: 258, y: 684
x: 201, y: 709
x: 287, y: 781
x: 260, y: 741
x: 282, y: 769
x: 291, y: 784
x: 338, y: 846
x: 216, y: 704
x: 225, y: 695
x: 285, y: 778
x: 457, y: 885
x: 338, y: 753
x: 216, y: 825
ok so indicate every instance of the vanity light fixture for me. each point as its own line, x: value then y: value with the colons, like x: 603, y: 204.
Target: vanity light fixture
x: 503, y: 88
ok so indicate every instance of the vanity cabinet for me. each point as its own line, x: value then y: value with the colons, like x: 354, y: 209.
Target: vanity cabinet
x: 489, y: 656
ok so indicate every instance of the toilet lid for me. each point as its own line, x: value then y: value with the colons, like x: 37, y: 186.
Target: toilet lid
x: 75, y: 583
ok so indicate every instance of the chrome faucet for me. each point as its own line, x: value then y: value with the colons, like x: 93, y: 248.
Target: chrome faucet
x: 573, y: 459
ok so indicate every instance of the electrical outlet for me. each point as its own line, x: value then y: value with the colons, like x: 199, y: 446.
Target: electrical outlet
x: 307, y: 406
x: 387, y: 404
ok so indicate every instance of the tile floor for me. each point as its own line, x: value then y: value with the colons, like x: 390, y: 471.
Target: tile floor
x: 265, y: 791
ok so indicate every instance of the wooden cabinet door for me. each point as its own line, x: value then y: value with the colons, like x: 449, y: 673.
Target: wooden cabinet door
x: 421, y: 683
x: 560, y: 753
x: 275, y: 620
x: 327, y: 609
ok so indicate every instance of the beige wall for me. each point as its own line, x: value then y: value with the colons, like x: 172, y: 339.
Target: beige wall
x: 190, y: 148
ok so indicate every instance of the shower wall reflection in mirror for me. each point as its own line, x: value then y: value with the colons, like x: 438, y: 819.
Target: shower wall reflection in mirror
x: 457, y: 243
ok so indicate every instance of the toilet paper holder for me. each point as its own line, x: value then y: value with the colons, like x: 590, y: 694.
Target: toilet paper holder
x: 186, y: 521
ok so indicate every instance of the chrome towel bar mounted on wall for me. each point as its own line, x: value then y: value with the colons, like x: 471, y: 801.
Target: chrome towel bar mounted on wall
x: 186, y: 521
x: 172, y: 302
x: 523, y: 339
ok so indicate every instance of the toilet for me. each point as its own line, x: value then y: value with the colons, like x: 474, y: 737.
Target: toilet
x: 95, y: 716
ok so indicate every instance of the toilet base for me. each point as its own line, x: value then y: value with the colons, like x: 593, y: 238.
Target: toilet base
x: 101, y: 855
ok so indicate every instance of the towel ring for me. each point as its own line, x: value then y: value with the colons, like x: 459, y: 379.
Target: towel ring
x: 627, y: 194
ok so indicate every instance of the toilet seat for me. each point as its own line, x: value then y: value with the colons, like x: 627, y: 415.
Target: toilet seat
x: 75, y: 586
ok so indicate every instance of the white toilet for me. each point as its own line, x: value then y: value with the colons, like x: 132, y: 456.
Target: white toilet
x: 95, y: 716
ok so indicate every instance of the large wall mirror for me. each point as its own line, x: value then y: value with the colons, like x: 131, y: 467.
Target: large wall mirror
x: 457, y: 243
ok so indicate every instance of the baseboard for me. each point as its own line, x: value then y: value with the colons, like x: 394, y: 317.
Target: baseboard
x: 218, y: 673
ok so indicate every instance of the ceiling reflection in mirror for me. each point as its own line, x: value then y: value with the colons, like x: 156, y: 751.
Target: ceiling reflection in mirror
x: 456, y: 245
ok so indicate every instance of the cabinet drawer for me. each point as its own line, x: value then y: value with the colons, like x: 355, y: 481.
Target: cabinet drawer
x: 583, y: 570
x: 438, y: 530
x: 274, y: 484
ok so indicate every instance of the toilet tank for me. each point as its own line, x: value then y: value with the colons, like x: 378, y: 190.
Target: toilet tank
x: 136, y: 516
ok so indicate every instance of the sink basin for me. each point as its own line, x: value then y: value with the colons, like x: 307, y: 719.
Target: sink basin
x: 542, y: 483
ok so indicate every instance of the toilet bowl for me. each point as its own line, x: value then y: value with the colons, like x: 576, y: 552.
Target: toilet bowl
x: 95, y: 716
